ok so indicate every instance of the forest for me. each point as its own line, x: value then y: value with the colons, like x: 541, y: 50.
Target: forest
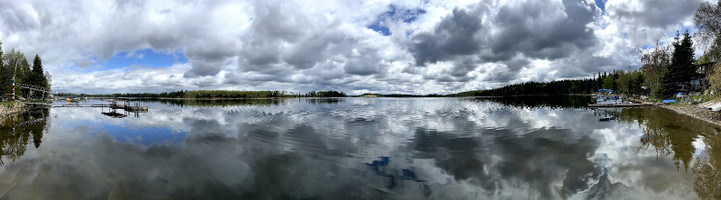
x: 14, y: 68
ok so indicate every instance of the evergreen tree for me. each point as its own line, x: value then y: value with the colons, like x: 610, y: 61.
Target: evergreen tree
x: 682, y: 67
x: 668, y: 86
x: 38, y: 75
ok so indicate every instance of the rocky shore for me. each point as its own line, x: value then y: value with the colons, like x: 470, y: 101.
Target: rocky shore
x: 696, y: 112
x: 9, y: 110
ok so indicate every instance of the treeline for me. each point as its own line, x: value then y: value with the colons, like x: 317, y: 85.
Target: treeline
x: 219, y: 94
x: 561, y: 87
x: 14, y: 65
x: 329, y: 93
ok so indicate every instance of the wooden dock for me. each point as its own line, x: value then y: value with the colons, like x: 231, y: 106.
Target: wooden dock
x: 130, y: 108
x: 82, y: 105
x: 126, y: 107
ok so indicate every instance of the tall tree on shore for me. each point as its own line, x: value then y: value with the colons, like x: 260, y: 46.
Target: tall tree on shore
x: 682, y: 68
x: 38, y: 73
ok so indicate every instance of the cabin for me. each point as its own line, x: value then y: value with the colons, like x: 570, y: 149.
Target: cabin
x: 701, y: 83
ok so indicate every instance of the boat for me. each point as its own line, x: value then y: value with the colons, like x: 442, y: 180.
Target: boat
x: 73, y: 100
x: 606, y: 98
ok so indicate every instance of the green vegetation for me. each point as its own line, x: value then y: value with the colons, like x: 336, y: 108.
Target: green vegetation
x: 630, y: 82
x: 7, y: 104
x: 14, y: 64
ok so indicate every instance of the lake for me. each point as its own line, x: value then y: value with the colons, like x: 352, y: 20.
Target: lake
x: 360, y: 148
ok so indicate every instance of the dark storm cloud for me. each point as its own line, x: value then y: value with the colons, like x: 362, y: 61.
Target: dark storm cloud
x: 455, y: 35
x: 531, y: 30
x: 511, y: 35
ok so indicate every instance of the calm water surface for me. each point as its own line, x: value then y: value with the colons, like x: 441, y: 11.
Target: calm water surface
x: 360, y: 148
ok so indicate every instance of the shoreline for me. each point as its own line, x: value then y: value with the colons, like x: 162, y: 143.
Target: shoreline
x: 696, y: 112
x: 8, y: 111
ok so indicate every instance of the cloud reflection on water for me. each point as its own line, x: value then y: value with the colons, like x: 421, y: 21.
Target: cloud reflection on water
x: 428, y: 148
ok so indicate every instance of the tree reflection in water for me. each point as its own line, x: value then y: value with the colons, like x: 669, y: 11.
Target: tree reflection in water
x: 708, y: 170
x: 671, y: 134
x: 16, y: 131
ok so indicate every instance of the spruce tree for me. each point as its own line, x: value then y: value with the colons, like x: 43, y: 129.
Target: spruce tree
x: 682, y: 67
x: 668, y: 86
x: 38, y: 72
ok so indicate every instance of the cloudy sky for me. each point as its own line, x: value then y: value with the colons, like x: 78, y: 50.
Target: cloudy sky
x: 404, y: 46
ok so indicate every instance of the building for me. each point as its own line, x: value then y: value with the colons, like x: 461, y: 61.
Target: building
x: 704, y: 70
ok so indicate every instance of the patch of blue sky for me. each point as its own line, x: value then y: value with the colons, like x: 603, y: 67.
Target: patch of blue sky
x: 602, y: 5
x: 394, y: 13
x: 144, y: 57
x: 378, y: 27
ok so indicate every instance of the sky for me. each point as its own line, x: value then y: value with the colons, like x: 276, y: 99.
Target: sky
x: 403, y: 46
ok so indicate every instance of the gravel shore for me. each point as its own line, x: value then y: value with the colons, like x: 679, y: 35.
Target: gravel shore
x: 696, y: 112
